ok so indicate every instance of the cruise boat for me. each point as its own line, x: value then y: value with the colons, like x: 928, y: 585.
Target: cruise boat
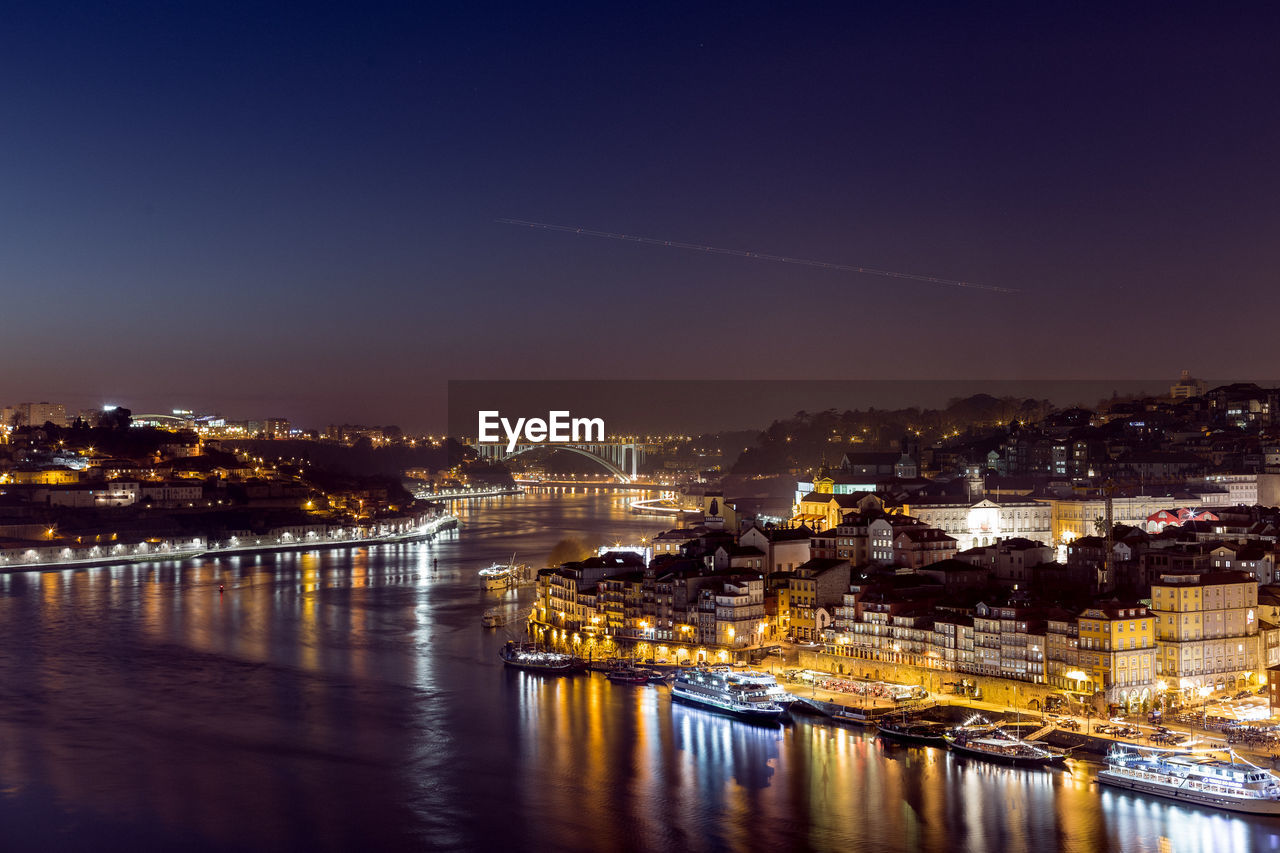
x: 777, y: 694
x: 993, y: 744
x: 1191, y: 777
x: 743, y: 694
x: 534, y: 659
x: 500, y: 576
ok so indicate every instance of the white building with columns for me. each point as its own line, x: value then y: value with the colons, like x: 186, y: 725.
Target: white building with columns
x: 975, y: 524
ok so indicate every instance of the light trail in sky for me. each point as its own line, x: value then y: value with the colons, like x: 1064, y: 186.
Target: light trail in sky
x: 760, y: 256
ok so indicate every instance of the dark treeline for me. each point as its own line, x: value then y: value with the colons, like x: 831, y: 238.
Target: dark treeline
x: 808, y: 439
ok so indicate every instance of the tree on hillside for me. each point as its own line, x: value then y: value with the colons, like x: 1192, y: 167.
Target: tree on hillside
x: 568, y: 550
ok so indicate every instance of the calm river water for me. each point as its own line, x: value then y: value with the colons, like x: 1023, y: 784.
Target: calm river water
x: 350, y: 700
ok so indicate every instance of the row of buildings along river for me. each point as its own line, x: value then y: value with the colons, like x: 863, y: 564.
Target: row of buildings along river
x: 1181, y: 610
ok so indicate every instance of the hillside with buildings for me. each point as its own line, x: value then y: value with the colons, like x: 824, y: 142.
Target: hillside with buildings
x: 1122, y: 557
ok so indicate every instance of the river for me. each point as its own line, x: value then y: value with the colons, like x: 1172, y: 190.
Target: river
x: 348, y: 699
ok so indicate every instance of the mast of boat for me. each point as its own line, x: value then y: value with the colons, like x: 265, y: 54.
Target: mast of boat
x: 520, y: 617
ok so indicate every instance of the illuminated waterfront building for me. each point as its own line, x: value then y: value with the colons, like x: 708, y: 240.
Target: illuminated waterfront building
x: 952, y: 641
x: 1117, y: 651
x: 1009, y: 641
x: 903, y: 619
x: 1062, y: 653
x: 891, y: 618
x: 738, y: 612
x: 1206, y: 630
x: 808, y: 596
x: 673, y: 599
x: 619, y: 604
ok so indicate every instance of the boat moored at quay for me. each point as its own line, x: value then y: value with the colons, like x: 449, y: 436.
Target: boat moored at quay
x: 1233, y: 784
x: 501, y: 576
x: 743, y: 694
x: 913, y: 731
x: 993, y: 744
x: 629, y: 674
x: 532, y: 658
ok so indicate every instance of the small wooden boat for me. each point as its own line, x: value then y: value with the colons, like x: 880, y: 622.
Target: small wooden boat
x: 531, y: 658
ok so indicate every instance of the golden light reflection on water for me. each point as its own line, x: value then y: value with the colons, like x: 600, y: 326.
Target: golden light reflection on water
x: 308, y: 635
x: 628, y: 765
x: 324, y: 697
x: 108, y: 675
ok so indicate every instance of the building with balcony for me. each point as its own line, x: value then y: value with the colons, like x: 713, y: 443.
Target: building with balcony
x: 1206, y: 630
x: 1117, y: 651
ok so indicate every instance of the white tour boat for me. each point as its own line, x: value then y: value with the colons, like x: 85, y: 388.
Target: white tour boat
x: 1194, y: 777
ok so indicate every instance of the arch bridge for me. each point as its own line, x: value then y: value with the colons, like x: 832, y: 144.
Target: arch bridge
x: 621, y: 458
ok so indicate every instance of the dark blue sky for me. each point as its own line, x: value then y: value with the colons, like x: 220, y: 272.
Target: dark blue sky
x: 291, y: 211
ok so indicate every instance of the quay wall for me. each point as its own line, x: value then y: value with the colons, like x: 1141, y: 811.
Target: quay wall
x: 995, y: 690
x: 586, y: 645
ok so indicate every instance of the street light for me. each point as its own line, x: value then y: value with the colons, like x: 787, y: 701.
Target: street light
x: 1204, y: 692
x: 1079, y: 676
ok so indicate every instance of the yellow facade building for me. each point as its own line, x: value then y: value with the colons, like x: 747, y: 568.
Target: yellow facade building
x: 1072, y: 518
x: 798, y: 618
x: 43, y: 476
x: 824, y: 510
x: 1117, y: 652
x: 1207, y: 633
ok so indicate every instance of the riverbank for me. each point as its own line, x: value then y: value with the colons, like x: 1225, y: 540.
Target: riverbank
x: 954, y: 710
x: 146, y: 552
x: 468, y: 494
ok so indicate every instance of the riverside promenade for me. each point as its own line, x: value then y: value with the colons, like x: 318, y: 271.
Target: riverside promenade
x: 42, y: 556
x: 1085, y: 739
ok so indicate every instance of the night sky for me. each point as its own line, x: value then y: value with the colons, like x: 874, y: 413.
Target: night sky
x: 291, y: 212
